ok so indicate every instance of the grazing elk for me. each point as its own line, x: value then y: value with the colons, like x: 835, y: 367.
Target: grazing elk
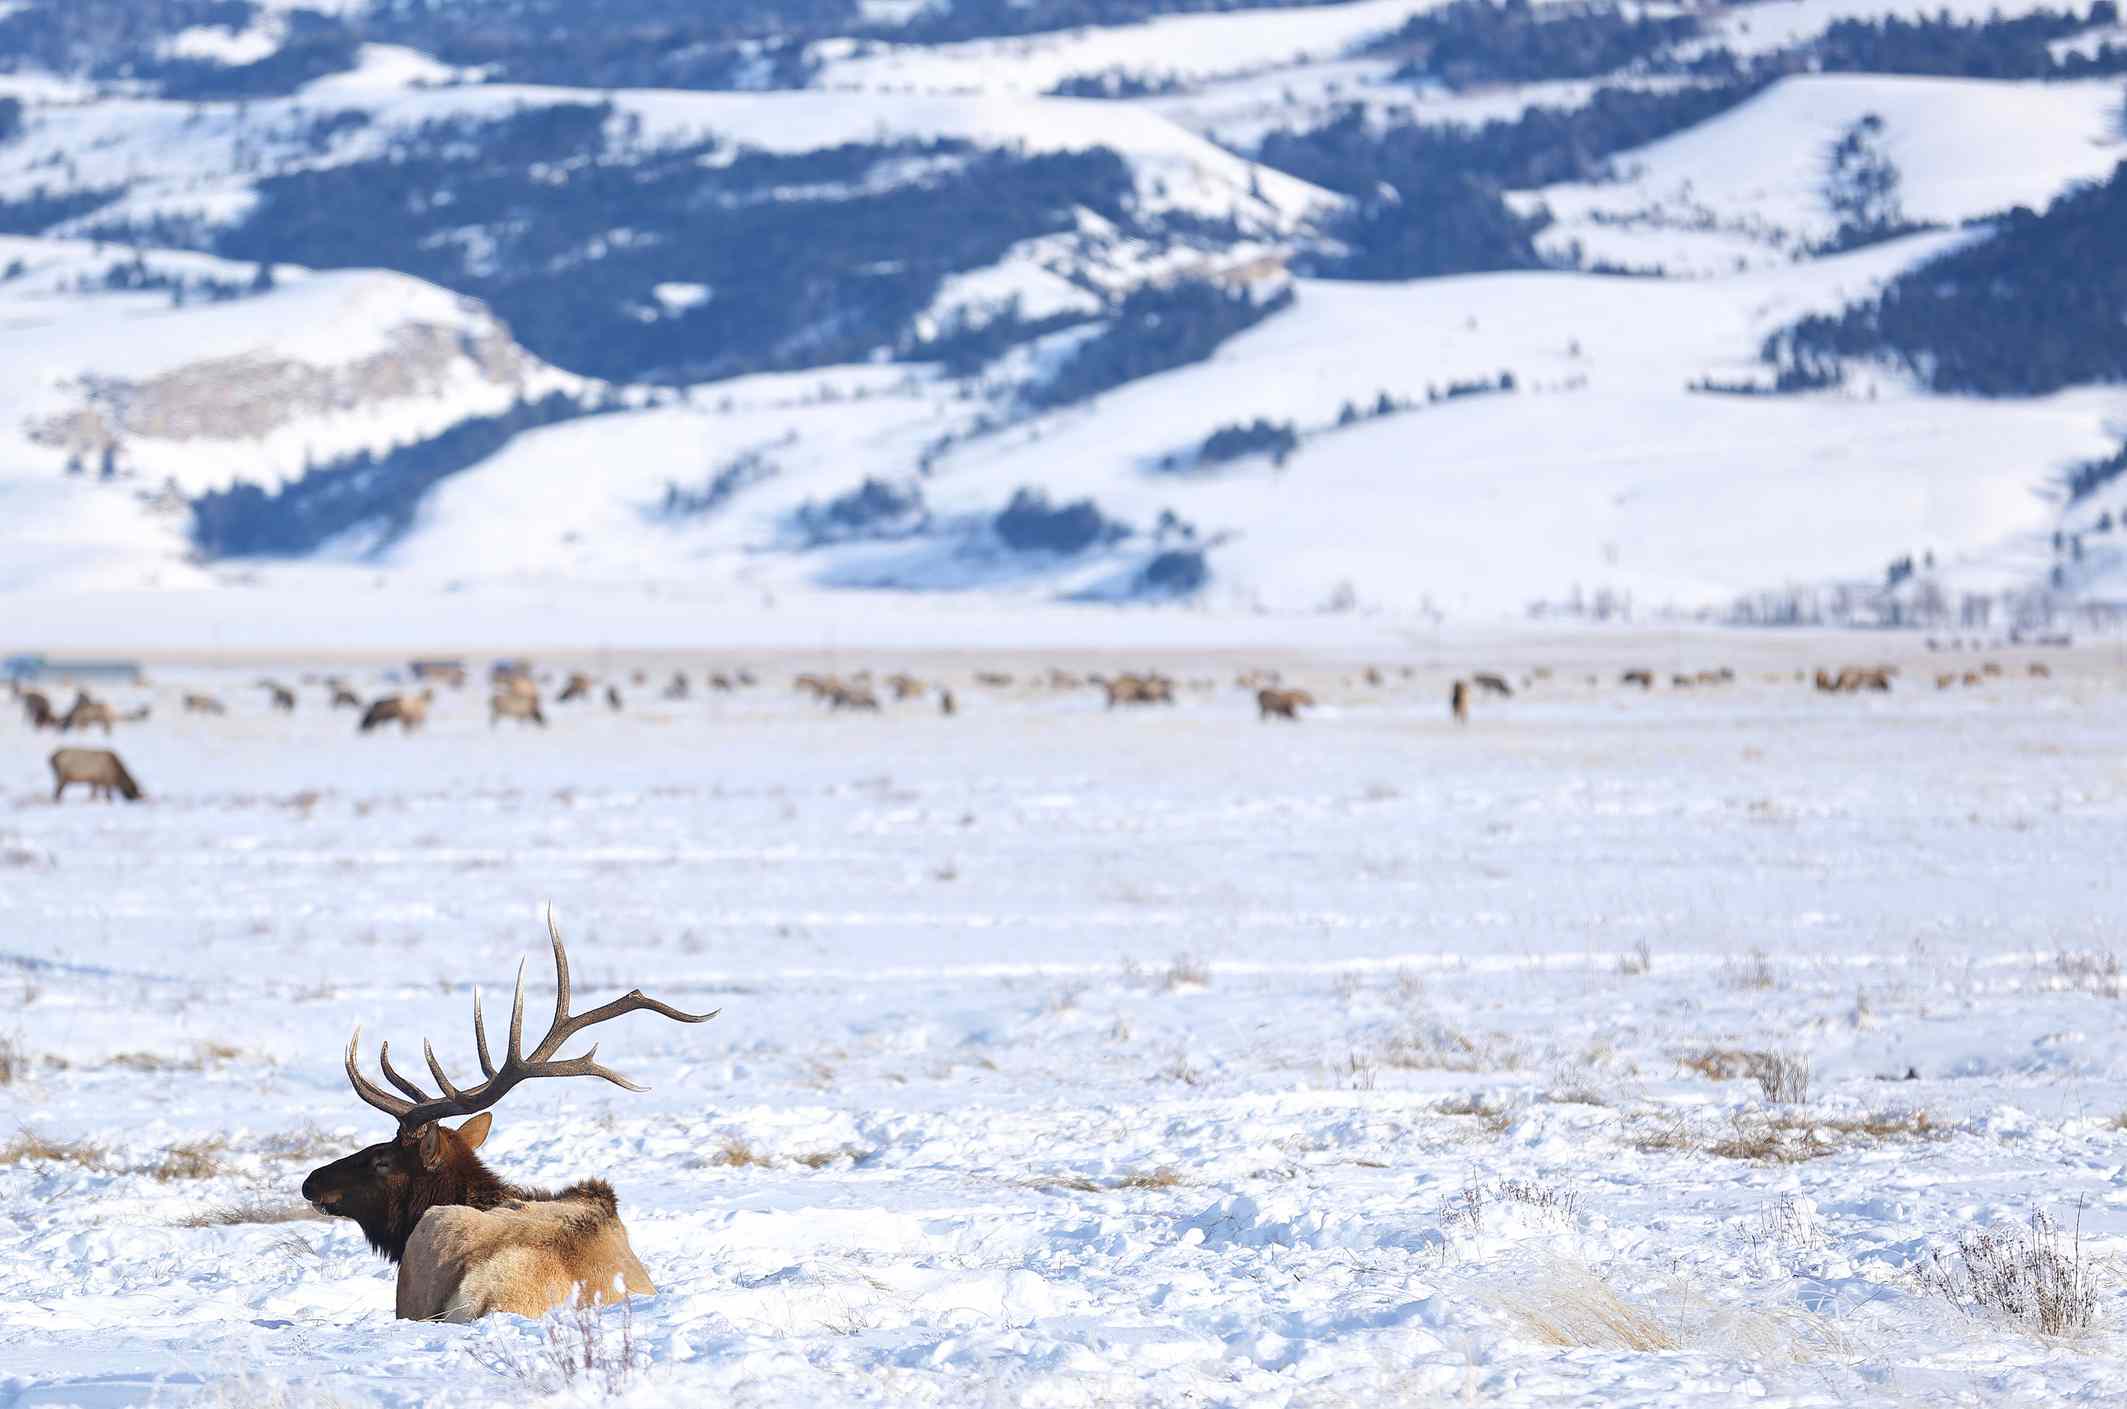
x: 1496, y: 684
x: 1139, y: 690
x: 203, y: 704
x: 905, y: 686
x: 85, y: 712
x: 467, y: 1242
x: 410, y: 710
x: 578, y: 688
x: 520, y: 705
x: 995, y: 679
x: 1282, y: 704
x: 99, y: 768
x: 344, y: 698
x: 37, y: 709
x: 677, y: 689
x: 613, y: 698
x: 1459, y: 701
x: 1642, y: 678
x: 946, y: 706
x: 2040, y: 670
x: 282, y: 697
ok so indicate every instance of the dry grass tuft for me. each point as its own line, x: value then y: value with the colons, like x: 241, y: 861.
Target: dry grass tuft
x: 14, y: 1061
x: 203, y: 1055
x: 1782, y: 1076
x: 1437, y: 1047
x: 195, y: 1159
x: 1724, y: 1063
x: 1637, y: 964
x: 28, y: 1146
x: 1796, y: 1139
x: 255, y: 1211
x: 2036, y: 1278
x: 1574, y: 1307
x: 735, y: 1153
x: 1494, y: 1119
x: 1187, y: 971
x: 1160, y: 1178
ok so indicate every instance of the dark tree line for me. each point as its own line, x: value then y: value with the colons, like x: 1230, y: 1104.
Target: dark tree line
x: 1157, y: 329
x: 362, y: 490
x: 2039, y: 306
x: 792, y: 280
x: 1431, y: 198
x: 1509, y: 41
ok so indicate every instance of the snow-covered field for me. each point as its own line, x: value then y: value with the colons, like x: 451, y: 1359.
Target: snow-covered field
x: 1071, y: 1057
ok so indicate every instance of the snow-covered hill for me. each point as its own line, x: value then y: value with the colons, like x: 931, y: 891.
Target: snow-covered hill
x: 870, y: 303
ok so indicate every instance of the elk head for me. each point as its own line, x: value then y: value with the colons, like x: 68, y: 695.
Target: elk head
x: 386, y: 1187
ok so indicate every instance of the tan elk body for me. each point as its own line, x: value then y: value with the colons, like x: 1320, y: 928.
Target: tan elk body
x: 467, y: 1242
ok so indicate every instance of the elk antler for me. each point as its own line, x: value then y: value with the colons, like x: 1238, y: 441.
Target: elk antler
x: 517, y: 1066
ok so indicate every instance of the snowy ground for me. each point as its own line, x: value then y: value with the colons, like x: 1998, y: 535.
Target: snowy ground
x: 1075, y: 1058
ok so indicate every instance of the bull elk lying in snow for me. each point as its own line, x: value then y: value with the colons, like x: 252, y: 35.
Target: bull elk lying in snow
x: 99, y: 768
x: 467, y: 1243
x: 86, y: 711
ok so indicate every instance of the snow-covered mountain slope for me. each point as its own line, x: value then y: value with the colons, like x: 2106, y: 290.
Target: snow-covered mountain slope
x: 1755, y: 186
x: 1598, y: 471
x: 133, y: 382
x: 1173, y: 50
x: 866, y: 303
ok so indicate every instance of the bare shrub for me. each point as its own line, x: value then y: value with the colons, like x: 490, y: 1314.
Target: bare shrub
x: 1784, y: 1078
x: 14, y: 1061
x: 1788, y: 1222
x: 1466, y: 1209
x: 1753, y: 971
x: 1638, y: 963
x: 578, y: 1347
x: 2094, y: 971
x: 2035, y: 1278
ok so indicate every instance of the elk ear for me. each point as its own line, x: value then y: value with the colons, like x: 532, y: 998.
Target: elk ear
x: 474, y: 1131
x: 430, y: 1142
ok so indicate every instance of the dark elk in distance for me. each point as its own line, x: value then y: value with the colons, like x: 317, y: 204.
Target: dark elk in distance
x: 467, y: 1242
x: 101, y: 769
x: 1282, y: 704
x: 410, y: 710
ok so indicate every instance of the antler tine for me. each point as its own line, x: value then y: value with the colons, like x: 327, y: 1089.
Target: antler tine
x: 435, y: 1069
x: 487, y: 1063
x: 515, y: 1056
x: 370, y: 1092
x: 391, y: 1074
x: 517, y: 1065
x: 561, y: 974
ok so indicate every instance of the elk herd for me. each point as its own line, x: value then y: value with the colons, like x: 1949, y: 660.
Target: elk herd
x: 535, y: 699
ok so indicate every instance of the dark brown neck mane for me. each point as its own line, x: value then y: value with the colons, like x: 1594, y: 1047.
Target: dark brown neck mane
x: 463, y: 1178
